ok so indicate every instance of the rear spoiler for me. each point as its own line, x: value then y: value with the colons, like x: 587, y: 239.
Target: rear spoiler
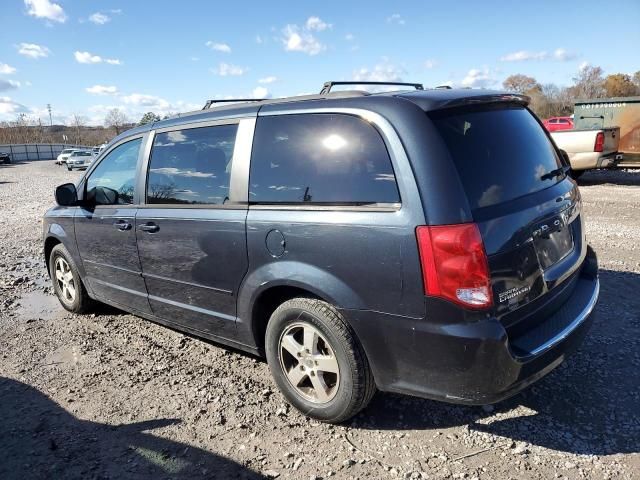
x: 485, y: 99
x: 439, y: 99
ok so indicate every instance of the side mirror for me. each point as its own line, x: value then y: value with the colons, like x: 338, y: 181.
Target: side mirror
x: 66, y: 195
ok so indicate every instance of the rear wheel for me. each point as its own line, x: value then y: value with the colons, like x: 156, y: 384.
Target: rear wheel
x: 66, y: 281
x: 317, y: 361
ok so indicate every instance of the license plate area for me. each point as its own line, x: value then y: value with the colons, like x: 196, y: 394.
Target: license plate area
x: 553, y: 243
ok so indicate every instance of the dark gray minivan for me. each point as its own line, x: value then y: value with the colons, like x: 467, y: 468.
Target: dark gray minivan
x: 426, y: 242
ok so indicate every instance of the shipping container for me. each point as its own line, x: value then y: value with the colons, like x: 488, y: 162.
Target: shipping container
x: 623, y: 112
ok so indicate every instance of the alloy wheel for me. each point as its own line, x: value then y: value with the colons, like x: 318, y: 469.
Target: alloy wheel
x: 64, y: 277
x: 309, y: 363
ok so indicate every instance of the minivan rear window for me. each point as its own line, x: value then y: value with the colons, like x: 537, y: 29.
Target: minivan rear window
x: 501, y: 153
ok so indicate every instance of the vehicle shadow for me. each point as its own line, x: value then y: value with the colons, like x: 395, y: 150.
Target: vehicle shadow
x: 587, y: 406
x: 42, y: 440
x: 615, y: 177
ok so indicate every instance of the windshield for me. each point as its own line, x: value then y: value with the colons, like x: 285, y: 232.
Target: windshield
x: 67, y: 151
x: 501, y: 153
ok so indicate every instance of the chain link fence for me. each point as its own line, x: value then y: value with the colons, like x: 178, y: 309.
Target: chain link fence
x: 36, y: 151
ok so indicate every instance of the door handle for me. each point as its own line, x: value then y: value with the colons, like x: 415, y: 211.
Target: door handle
x: 149, y: 227
x: 122, y: 225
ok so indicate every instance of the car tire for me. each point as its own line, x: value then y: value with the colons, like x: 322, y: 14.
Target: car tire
x: 67, y: 283
x: 69, y: 168
x: 317, y: 361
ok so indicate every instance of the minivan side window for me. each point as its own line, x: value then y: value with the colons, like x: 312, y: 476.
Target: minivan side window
x: 191, y: 166
x: 320, y: 158
x: 113, y: 180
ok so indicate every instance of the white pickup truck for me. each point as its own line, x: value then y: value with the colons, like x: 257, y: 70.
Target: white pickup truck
x: 589, y: 149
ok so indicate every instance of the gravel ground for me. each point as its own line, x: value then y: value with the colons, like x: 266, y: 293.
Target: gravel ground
x: 113, y: 396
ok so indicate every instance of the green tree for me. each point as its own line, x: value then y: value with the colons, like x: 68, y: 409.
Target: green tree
x: 619, y: 85
x: 149, y: 117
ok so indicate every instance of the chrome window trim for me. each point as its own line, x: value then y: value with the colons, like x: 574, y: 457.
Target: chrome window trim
x: 238, y: 192
x: 81, y: 187
x: 405, y: 179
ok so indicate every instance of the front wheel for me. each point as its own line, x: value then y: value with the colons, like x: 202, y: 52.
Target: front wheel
x: 316, y: 360
x: 66, y: 281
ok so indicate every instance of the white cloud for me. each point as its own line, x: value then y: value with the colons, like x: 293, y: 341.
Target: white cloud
x: 9, y: 107
x: 559, y: 54
x: 396, y: 18
x: 316, y: 24
x: 261, y: 92
x: 218, y: 47
x: 583, y: 65
x: 99, y: 18
x: 32, y: 50
x: 229, y: 70
x: 430, y: 64
x: 143, y: 100
x: 8, y: 85
x: 479, y: 78
x: 295, y: 40
x: 382, y: 72
x: 6, y: 69
x: 89, y: 58
x: 349, y: 37
x: 259, y: 39
x: 562, y: 55
x: 45, y: 9
x: 269, y: 79
x: 523, y: 56
x: 102, y: 90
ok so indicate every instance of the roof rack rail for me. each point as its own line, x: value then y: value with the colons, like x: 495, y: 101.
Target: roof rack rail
x: 328, y: 85
x: 230, y: 100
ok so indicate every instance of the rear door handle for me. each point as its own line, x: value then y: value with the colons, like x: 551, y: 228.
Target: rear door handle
x: 149, y: 227
x: 122, y: 225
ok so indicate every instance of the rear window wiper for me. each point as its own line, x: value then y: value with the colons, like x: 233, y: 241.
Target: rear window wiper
x: 564, y: 170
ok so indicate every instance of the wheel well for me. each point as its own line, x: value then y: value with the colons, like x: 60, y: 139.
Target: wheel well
x: 266, y: 304
x: 48, y: 246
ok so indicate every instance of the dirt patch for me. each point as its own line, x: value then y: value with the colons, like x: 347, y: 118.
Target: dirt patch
x: 111, y: 395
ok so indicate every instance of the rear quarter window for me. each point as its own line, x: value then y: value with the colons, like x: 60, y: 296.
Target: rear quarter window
x: 320, y: 158
x: 501, y: 153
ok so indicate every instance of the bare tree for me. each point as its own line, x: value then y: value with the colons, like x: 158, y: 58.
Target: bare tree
x: 115, y: 119
x: 522, y: 84
x: 589, y: 83
x: 77, y: 122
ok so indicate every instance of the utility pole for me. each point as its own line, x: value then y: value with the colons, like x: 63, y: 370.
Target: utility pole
x: 50, y: 118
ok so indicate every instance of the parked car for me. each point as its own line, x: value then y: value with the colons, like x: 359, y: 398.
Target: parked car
x: 589, y: 149
x: 622, y: 112
x: 80, y: 159
x: 64, y: 155
x: 96, y: 150
x: 5, y: 158
x: 555, y: 124
x: 358, y: 241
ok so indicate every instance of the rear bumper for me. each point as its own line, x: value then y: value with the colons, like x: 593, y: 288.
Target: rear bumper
x: 589, y: 160
x: 472, y: 363
x: 610, y: 161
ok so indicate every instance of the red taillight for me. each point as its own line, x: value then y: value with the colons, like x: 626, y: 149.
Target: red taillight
x: 599, y: 146
x: 454, y: 264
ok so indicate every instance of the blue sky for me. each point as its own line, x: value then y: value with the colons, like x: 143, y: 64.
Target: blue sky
x: 85, y: 57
